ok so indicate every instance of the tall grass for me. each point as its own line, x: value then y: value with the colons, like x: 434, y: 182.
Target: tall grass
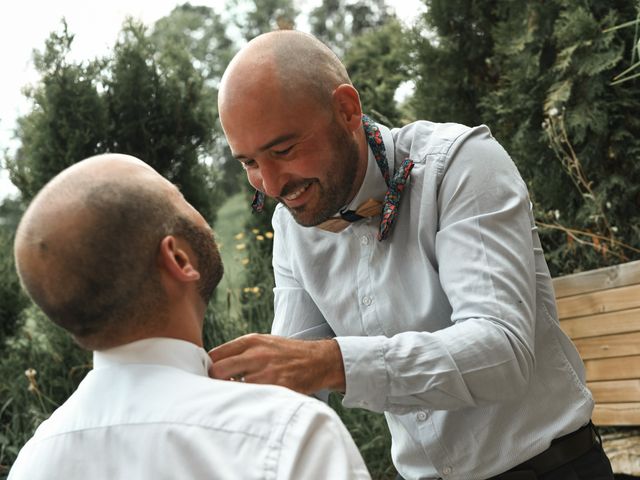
x: 40, y: 367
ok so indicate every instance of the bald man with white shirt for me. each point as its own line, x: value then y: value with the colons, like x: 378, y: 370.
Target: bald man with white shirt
x: 113, y: 253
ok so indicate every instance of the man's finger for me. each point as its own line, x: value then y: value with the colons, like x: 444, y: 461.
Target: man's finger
x: 233, y: 367
x: 233, y: 347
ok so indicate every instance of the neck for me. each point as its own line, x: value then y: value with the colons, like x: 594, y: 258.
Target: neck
x: 184, y: 321
x: 363, y: 160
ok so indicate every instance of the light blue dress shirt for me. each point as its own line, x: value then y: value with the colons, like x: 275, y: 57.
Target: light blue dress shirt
x: 449, y: 326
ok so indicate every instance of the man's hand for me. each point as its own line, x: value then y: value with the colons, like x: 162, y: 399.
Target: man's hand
x: 305, y: 366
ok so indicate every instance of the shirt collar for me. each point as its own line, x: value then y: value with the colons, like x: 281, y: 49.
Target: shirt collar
x: 373, y: 185
x: 169, y: 352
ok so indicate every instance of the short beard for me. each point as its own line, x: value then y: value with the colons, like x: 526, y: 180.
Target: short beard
x: 338, y: 186
x: 204, y: 246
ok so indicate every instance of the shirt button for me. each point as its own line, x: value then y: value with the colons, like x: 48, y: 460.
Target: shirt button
x: 364, y: 240
x: 446, y: 471
x: 366, y: 300
x: 421, y: 416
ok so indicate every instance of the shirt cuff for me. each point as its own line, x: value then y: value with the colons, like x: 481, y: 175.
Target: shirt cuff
x: 366, y: 379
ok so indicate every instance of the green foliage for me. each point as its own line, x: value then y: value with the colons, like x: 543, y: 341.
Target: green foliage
x: 40, y: 368
x: 377, y: 63
x: 338, y: 22
x: 256, y: 295
x: 67, y: 122
x: 201, y: 32
x: 254, y: 17
x: 452, y: 66
x: 539, y: 74
x: 160, y: 111
x: 12, y: 300
x: 11, y: 210
x: 144, y: 102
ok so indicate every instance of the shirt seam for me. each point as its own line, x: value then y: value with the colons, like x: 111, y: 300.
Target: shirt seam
x: 444, y: 154
x: 280, y: 439
x: 131, y: 424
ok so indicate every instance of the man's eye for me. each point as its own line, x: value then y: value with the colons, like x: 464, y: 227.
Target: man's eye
x: 283, y: 152
x: 248, y: 163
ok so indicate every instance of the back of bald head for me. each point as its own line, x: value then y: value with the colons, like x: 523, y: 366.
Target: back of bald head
x: 296, y: 63
x: 86, y: 248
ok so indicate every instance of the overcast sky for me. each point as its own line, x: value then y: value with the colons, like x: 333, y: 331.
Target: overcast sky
x: 25, y: 24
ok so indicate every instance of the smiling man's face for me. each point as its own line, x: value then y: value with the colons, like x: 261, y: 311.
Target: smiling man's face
x: 295, y: 152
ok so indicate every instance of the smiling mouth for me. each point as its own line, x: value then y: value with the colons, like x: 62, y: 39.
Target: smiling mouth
x: 294, y: 195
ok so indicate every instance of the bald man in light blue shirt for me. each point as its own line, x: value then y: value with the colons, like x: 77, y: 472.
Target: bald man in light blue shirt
x: 417, y: 251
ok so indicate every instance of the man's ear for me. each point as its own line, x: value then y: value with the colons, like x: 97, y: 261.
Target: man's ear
x: 346, y: 102
x: 177, y: 261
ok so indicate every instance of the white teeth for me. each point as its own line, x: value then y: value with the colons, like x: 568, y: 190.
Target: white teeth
x: 297, y: 193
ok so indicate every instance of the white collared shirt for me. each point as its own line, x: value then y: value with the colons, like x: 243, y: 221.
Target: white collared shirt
x: 449, y: 326
x: 148, y: 411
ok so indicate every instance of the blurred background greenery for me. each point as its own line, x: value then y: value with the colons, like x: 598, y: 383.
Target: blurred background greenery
x: 557, y: 81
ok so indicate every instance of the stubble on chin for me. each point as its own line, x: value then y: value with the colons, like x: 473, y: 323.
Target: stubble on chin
x: 334, y: 191
x: 305, y: 218
x: 328, y: 202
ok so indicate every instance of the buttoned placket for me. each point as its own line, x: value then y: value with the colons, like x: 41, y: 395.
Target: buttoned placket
x: 426, y: 429
x: 364, y: 233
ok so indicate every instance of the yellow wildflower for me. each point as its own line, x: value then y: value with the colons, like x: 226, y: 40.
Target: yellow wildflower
x: 31, y: 375
x: 254, y: 290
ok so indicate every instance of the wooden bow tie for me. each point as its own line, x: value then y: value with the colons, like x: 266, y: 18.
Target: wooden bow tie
x: 370, y: 208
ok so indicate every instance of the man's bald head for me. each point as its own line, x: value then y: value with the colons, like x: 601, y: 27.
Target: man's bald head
x: 86, y: 247
x: 294, y: 64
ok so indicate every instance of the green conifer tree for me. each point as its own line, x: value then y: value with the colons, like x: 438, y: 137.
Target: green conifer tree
x: 540, y: 75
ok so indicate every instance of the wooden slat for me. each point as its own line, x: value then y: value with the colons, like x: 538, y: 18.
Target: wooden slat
x: 602, y: 324
x: 608, y: 346
x: 613, y: 300
x: 620, y: 414
x: 600, y: 279
x: 600, y: 311
x: 615, y: 391
x: 618, y: 368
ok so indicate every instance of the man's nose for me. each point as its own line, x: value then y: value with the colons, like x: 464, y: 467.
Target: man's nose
x: 273, y: 178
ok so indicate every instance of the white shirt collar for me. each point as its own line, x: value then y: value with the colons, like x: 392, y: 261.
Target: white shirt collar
x: 169, y: 352
x: 373, y: 185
